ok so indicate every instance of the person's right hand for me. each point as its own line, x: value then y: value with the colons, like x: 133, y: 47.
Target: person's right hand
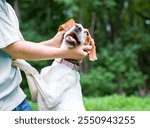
x: 77, y: 53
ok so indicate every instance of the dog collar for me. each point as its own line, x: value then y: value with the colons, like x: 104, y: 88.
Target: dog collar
x: 69, y: 64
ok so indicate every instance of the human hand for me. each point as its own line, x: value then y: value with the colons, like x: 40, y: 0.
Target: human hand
x: 77, y: 53
x: 57, y: 39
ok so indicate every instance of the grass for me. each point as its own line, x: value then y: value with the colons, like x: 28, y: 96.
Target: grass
x: 113, y: 103
x: 117, y: 103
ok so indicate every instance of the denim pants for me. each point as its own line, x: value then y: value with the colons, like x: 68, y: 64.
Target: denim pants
x: 24, y: 106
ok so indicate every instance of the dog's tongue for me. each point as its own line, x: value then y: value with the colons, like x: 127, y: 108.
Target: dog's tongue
x: 71, y: 39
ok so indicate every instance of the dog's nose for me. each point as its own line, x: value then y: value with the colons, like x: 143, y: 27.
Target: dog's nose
x: 78, y: 27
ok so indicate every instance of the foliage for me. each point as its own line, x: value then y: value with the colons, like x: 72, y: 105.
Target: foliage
x: 117, y: 71
x: 99, y: 82
x: 113, y: 103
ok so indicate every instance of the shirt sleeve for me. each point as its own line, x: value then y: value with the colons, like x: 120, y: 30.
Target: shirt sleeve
x: 9, y: 31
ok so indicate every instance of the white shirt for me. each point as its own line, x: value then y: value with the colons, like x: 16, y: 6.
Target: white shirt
x: 11, y: 95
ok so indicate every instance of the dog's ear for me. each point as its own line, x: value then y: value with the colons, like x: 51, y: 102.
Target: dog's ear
x: 66, y: 26
x: 90, y: 41
x: 92, y: 54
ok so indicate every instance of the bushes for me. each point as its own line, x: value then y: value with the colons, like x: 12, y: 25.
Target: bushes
x: 99, y: 82
x: 117, y: 71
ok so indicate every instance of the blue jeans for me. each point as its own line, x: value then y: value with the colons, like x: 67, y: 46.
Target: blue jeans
x: 24, y: 106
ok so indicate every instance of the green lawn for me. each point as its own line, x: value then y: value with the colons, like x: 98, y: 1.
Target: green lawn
x: 114, y: 102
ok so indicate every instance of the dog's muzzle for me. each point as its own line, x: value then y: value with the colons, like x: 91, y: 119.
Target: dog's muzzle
x: 72, y: 37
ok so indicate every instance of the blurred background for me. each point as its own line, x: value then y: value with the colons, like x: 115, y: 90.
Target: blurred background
x: 120, y: 78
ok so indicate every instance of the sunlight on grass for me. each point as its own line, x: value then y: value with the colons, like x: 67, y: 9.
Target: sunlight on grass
x: 113, y: 103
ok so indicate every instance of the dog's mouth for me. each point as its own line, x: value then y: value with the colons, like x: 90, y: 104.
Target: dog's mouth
x: 72, y: 39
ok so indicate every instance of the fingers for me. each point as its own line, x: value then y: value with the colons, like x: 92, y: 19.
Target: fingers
x: 87, y: 48
x: 78, y: 53
x: 84, y: 54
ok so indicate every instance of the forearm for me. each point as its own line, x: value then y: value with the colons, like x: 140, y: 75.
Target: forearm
x: 50, y: 43
x: 33, y: 51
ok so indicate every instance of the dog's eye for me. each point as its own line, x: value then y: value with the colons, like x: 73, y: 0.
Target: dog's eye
x: 86, y: 32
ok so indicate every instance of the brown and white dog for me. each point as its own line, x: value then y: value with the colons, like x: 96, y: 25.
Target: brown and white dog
x: 58, y: 88
x: 62, y: 77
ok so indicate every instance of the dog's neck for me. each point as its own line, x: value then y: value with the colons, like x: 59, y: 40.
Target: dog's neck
x: 76, y: 62
x: 73, y: 61
x: 68, y: 63
x: 73, y: 64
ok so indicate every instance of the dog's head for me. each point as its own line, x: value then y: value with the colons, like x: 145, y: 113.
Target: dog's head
x: 78, y: 36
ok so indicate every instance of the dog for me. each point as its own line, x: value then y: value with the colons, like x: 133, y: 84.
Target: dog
x: 57, y: 87
x: 62, y: 77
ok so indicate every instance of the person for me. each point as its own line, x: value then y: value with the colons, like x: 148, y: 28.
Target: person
x: 13, y: 46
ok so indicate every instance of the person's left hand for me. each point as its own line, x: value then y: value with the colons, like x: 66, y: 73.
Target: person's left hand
x: 57, y: 39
